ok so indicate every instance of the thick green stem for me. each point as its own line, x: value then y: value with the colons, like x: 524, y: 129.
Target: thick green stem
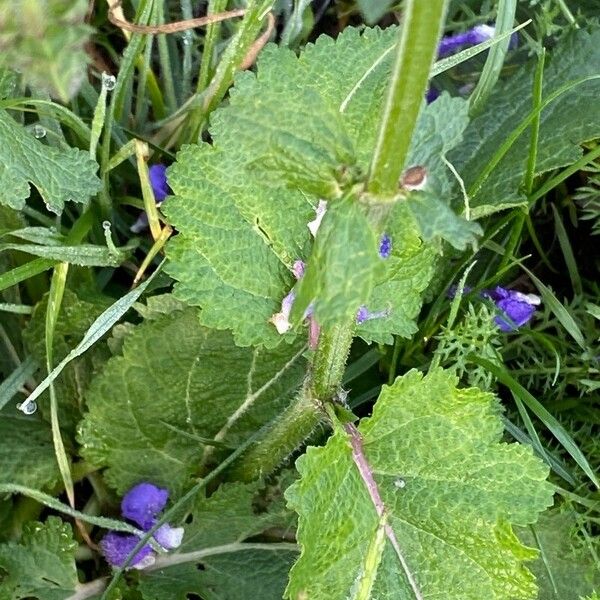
x: 416, y: 51
x: 300, y: 419
x: 285, y: 436
x: 329, y: 362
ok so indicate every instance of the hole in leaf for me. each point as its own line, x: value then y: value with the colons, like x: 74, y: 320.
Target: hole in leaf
x: 192, y: 597
x: 200, y: 567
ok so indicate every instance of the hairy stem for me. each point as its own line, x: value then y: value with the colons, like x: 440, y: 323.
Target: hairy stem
x: 329, y: 362
x: 416, y: 52
x: 286, y: 435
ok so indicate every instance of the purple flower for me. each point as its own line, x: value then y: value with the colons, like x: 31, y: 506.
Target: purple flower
x: 476, y: 35
x: 517, y: 308
x: 298, y: 269
x: 160, y: 188
x: 158, y: 181
x: 431, y: 95
x: 142, y: 503
x: 116, y: 547
x: 385, y: 246
x: 281, y: 320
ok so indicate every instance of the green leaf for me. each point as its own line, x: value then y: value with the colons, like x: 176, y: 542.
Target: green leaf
x: 59, y: 175
x: 567, y: 567
x: 560, y: 135
x: 436, y: 218
x: 41, y: 565
x: 237, y: 244
x: 340, y: 274
x: 291, y: 135
x: 45, y: 40
x: 225, y: 576
x: 234, y: 513
x: 212, y: 561
x: 176, y: 376
x: 373, y: 10
x: 26, y: 452
x: 450, y: 488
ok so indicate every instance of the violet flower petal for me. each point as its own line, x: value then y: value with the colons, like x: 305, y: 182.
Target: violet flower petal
x: 385, y: 246
x: 158, y: 181
x: 142, y: 503
x: 281, y: 320
x: 116, y: 547
x: 478, y: 34
x: 169, y: 537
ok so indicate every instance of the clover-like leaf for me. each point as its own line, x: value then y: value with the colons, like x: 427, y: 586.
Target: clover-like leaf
x: 154, y: 411
x: 59, y: 175
x: 450, y: 489
x: 41, y: 565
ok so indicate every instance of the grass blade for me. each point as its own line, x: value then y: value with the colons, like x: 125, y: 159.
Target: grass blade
x: 98, y: 328
x: 559, y: 432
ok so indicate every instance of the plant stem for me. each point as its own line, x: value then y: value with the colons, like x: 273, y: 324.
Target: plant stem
x: 285, y: 436
x: 329, y: 362
x: 416, y: 52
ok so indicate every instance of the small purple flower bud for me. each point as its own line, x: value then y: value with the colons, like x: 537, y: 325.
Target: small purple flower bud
x: 142, y: 503
x: 281, y: 320
x: 364, y: 314
x: 298, y: 269
x: 169, y: 537
x: 158, y: 181
x: 450, y: 44
x: 385, y: 246
x: 116, y: 547
x: 141, y: 223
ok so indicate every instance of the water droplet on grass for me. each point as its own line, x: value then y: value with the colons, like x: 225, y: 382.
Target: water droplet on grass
x: 27, y: 407
x: 108, y: 81
x: 39, y: 132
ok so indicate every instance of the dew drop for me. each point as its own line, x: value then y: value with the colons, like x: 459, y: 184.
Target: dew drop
x: 108, y: 81
x: 38, y: 132
x: 399, y: 483
x: 27, y: 407
x: 186, y: 38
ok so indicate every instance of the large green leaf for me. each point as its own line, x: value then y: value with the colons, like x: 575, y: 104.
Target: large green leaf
x: 177, y: 385
x: 567, y: 122
x: 450, y: 488
x: 41, y: 565
x: 292, y: 135
x: 59, y: 175
x: 214, y: 562
x: 26, y: 452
